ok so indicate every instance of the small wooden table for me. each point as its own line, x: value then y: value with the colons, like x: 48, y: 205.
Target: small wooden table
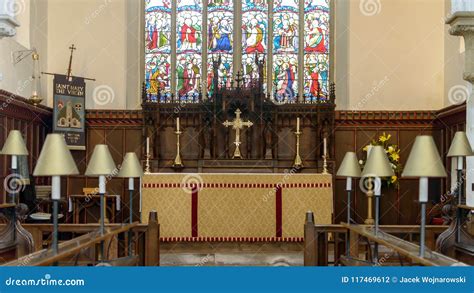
x: 79, y: 202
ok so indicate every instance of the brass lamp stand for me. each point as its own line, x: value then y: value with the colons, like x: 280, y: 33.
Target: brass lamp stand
x: 370, y: 199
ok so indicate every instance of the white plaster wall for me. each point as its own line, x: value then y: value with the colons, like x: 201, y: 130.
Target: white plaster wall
x: 98, y: 30
x: 396, y: 56
x: 16, y: 78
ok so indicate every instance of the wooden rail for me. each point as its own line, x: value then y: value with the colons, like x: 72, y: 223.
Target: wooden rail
x: 402, y: 247
x: 326, y: 244
x: 145, y: 241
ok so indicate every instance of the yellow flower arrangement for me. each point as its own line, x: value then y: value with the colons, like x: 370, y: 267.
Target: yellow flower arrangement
x: 393, y: 154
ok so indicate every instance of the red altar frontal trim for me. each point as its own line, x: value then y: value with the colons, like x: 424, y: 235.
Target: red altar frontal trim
x: 183, y: 199
x: 235, y: 185
x: 232, y: 239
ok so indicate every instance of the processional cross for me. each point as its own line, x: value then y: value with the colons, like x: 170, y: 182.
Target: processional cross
x: 69, y: 68
x: 237, y: 124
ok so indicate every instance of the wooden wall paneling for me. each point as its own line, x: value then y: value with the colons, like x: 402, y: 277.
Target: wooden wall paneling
x: 115, y: 140
x: 190, y: 144
x: 286, y: 143
x: 168, y: 144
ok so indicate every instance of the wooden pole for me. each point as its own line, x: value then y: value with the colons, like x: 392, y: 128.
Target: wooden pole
x: 152, y: 248
x: 310, y: 244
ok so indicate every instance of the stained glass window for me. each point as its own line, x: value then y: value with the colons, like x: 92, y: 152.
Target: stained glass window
x: 158, y: 48
x: 178, y: 68
x: 285, y: 49
x: 316, y: 49
x: 254, y: 36
x: 189, y: 48
x: 220, y: 40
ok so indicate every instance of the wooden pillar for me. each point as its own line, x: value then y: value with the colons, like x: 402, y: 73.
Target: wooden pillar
x: 152, y: 238
x: 310, y: 243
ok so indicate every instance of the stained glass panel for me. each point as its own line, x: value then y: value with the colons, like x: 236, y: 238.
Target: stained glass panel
x: 220, y: 39
x: 254, y: 36
x: 316, y: 49
x: 157, y: 48
x: 189, y: 48
x: 285, y: 50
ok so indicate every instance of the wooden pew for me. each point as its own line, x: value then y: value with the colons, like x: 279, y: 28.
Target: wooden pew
x: 145, y: 242
x: 326, y: 244
x: 15, y: 241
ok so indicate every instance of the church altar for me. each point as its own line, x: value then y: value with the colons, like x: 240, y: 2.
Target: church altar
x: 236, y: 207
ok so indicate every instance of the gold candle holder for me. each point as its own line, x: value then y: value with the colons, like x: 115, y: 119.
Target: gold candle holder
x: 178, y: 163
x: 147, y: 164
x: 298, y: 162
x: 370, y: 199
x: 325, y: 165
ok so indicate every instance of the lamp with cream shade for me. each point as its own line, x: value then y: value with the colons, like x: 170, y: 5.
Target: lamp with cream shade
x: 349, y: 168
x: 377, y: 167
x: 424, y: 162
x: 55, y: 160
x: 131, y: 169
x: 14, y: 146
x: 101, y: 165
x: 460, y: 148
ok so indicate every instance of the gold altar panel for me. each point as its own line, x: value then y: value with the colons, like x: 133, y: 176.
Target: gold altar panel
x: 237, y: 212
x: 173, y: 206
x: 236, y: 205
x: 297, y: 201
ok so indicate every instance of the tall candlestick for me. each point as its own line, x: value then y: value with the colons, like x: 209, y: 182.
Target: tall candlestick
x: 297, y: 124
x: 147, y: 146
x: 177, y: 124
x: 325, y: 146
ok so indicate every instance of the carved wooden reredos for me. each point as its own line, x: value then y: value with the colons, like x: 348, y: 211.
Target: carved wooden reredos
x: 270, y: 143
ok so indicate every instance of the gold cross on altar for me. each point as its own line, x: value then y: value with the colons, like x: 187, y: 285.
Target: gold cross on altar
x: 237, y: 124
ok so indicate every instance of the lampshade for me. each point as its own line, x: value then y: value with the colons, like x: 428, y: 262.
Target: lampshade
x: 377, y: 164
x: 131, y: 167
x: 55, y: 158
x: 460, y: 147
x: 101, y: 162
x: 14, y: 145
x: 424, y: 159
x: 350, y: 166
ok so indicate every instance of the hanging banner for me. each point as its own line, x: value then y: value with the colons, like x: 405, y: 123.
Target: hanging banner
x: 69, y: 110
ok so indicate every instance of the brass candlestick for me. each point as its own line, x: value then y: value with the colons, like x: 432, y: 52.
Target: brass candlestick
x: 325, y: 164
x: 370, y: 198
x: 177, y: 161
x: 298, y: 162
x: 147, y: 164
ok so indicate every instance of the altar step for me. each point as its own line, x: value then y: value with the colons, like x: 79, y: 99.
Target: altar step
x: 231, y: 254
